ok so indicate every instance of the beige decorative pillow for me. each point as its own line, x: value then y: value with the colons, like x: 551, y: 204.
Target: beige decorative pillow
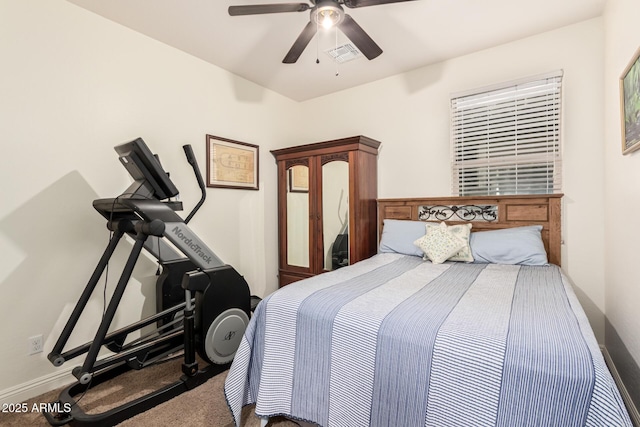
x: 439, y: 244
x: 463, y: 231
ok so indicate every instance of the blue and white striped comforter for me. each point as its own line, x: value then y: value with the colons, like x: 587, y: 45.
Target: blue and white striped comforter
x: 396, y: 341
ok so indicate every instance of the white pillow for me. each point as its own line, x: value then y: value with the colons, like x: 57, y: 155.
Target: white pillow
x: 439, y: 243
x: 462, y: 231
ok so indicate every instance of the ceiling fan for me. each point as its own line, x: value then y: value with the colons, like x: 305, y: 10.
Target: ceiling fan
x: 327, y: 13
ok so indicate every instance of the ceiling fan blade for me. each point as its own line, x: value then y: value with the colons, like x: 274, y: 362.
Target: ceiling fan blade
x: 258, y: 9
x: 363, y: 3
x: 301, y: 43
x: 359, y: 37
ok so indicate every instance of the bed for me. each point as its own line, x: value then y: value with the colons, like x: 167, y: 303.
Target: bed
x: 414, y: 336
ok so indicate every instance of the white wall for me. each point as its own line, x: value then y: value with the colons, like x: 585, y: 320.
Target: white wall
x: 622, y: 182
x: 409, y: 114
x: 72, y: 86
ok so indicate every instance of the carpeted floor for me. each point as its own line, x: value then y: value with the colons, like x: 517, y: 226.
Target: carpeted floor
x: 203, y: 406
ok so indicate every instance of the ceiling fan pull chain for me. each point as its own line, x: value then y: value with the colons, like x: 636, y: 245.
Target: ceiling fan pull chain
x: 336, y: 31
x: 317, y: 42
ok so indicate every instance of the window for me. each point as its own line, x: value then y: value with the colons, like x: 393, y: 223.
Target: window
x: 506, y: 139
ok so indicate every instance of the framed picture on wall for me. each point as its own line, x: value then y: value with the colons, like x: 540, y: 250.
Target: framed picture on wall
x: 231, y: 164
x: 630, y: 105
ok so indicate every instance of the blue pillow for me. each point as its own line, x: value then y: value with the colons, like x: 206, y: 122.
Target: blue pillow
x: 398, y: 236
x: 518, y: 245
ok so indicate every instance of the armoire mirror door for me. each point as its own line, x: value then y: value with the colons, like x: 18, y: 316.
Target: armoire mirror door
x: 335, y: 210
x: 298, y: 212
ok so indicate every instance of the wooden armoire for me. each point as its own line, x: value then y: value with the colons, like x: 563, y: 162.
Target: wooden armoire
x: 327, y: 213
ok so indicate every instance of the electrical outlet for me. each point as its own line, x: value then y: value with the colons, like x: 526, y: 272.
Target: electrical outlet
x: 34, y: 344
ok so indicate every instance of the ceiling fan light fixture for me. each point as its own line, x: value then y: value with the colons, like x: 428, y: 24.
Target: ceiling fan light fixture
x: 328, y: 14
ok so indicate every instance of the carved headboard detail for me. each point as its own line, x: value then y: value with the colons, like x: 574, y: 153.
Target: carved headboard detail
x: 485, y: 213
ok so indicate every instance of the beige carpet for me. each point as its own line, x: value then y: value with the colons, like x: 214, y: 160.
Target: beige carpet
x: 203, y: 406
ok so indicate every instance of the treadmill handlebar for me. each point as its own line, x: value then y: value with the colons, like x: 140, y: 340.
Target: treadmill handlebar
x: 188, y: 151
x: 191, y: 158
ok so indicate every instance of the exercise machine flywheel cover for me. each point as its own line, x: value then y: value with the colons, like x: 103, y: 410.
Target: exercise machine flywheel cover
x: 224, y: 335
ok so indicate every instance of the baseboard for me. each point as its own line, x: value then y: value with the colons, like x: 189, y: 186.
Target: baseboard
x: 631, y: 408
x: 36, y: 387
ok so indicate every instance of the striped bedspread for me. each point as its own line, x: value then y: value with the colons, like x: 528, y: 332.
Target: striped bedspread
x: 396, y: 341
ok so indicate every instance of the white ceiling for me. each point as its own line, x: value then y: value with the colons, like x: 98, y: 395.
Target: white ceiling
x: 412, y: 34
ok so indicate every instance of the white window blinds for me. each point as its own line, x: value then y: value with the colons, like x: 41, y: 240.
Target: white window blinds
x: 506, y: 140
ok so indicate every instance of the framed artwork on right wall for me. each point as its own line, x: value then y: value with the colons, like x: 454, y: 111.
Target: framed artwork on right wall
x: 630, y: 105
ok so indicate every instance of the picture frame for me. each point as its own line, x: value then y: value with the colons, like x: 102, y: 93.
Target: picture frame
x: 630, y: 105
x: 299, y: 179
x: 232, y: 164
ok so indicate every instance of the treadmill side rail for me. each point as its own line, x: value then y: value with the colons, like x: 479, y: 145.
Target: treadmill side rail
x: 176, y: 231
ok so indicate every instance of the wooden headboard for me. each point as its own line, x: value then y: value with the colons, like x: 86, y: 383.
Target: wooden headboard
x: 485, y: 213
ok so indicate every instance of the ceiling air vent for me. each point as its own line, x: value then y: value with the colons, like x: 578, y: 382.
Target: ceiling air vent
x: 345, y: 53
